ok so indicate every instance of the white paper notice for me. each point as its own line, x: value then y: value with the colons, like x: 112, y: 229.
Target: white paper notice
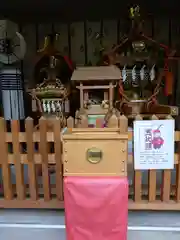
x: 154, y: 144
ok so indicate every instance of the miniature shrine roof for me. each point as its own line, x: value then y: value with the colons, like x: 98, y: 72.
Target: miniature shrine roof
x: 96, y: 73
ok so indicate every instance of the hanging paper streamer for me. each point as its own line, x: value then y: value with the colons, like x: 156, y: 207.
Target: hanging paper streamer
x: 142, y: 73
x: 152, y: 73
x: 134, y: 73
x: 124, y: 74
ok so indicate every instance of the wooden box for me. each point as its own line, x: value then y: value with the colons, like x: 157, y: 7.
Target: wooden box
x: 95, y: 152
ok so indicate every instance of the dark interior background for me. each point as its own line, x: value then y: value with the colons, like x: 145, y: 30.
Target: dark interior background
x: 75, y: 10
x: 37, y: 18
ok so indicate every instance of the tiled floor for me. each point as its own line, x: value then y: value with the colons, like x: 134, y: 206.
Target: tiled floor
x: 37, y: 225
x: 148, y: 235
x: 57, y: 234
x: 32, y: 234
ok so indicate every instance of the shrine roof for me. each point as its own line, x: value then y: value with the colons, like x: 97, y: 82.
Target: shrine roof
x: 96, y: 73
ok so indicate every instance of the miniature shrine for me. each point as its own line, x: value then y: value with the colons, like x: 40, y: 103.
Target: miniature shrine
x: 52, y: 74
x: 96, y: 86
x: 143, y: 72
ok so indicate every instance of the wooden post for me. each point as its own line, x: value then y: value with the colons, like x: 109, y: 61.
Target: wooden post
x: 20, y: 187
x: 152, y: 178
x: 81, y: 96
x: 113, y: 121
x: 111, y: 95
x: 106, y: 96
x: 44, y: 155
x: 6, y: 173
x: 58, y: 155
x: 86, y: 96
x: 137, y: 178
x: 166, y: 181
x: 30, y: 156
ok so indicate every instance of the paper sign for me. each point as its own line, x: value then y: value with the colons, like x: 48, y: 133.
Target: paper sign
x: 154, y: 144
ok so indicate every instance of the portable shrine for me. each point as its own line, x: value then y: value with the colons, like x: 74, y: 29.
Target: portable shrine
x: 96, y: 86
x: 145, y: 67
x: 52, y: 74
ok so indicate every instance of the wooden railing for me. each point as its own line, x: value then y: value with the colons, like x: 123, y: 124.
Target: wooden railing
x: 29, y: 157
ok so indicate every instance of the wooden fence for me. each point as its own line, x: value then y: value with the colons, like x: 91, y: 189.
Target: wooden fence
x: 41, y: 189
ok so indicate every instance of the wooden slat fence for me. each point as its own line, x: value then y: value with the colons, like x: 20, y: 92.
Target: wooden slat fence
x: 31, y: 168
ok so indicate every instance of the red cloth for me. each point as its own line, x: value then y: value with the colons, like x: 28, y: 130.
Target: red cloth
x: 96, y: 208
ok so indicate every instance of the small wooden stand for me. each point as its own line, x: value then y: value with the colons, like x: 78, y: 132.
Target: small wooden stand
x: 95, y: 181
x: 96, y: 78
x: 95, y: 152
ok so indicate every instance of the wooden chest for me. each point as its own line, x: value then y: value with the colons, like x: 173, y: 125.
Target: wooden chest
x: 95, y: 152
